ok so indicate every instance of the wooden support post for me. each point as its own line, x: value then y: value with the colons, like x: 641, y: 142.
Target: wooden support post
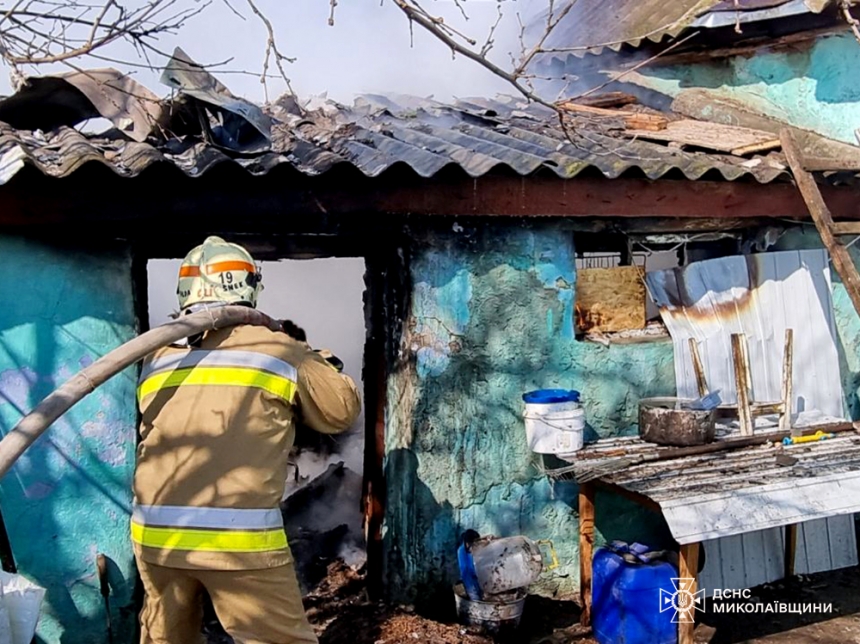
x: 842, y: 261
x: 688, y: 568
x: 787, y: 388
x: 790, y: 549
x: 586, y: 548
x: 698, y: 367
x: 741, y: 364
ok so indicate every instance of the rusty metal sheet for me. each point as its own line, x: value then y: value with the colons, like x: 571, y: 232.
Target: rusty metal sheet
x: 761, y: 296
x: 49, y: 102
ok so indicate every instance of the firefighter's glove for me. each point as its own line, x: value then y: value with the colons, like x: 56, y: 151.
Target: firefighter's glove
x: 294, y: 330
x: 333, y: 360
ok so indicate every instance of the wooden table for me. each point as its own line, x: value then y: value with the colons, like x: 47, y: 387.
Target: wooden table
x: 721, y: 494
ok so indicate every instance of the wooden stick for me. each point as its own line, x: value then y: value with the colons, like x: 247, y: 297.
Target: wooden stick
x: 742, y: 384
x: 787, y: 382
x: 586, y: 548
x: 688, y: 569
x: 698, y: 368
x: 765, y: 146
x: 790, y: 550
x: 845, y: 227
x: 842, y: 261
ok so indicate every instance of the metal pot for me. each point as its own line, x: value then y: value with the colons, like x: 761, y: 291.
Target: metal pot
x: 670, y: 421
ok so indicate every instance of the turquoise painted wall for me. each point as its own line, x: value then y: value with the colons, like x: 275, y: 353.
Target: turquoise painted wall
x: 816, y: 87
x: 68, y: 498
x: 491, y: 317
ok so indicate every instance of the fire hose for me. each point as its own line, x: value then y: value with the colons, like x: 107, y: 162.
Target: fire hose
x: 34, y: 424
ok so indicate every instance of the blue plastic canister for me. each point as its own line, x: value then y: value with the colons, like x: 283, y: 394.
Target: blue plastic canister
x: 626, y: 584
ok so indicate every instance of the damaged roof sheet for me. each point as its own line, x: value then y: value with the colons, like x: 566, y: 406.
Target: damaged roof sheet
x: 742, y: 490
x: 377, y: 132
x: 593, y: 25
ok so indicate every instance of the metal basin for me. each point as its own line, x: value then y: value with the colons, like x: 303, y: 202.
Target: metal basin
x: 499, y: 617
x: 669, y: 421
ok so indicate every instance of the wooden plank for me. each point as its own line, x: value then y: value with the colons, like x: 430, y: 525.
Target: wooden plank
x: 586, y: 548
x: 755, y: 148
x: 607, y: 99
x: 790, y: 549
x: 688, y: 569
x: 845, y: 227
x: 787, y: 366
x: 741, y: 366
x: 840, y: 256
x: 701, y: 382
x: 610, y: 299
x: 830, y: 164
x: 702, y: 134
x: 632, y: 120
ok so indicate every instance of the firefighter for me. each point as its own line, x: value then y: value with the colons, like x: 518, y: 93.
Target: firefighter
x: 218, y: 418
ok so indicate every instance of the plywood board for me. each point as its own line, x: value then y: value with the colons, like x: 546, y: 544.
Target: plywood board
x: 610, y: 299
x: 712, y: 136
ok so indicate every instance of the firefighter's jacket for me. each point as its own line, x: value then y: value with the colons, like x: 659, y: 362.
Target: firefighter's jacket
x: 218, y: 422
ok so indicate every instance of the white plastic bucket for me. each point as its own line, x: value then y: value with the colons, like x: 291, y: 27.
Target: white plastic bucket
x: 554, y: 428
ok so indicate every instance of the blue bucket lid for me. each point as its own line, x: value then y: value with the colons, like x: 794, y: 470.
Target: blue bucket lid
x: 546, y: 396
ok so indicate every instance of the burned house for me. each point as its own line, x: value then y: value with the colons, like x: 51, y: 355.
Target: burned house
x: 499, y: 249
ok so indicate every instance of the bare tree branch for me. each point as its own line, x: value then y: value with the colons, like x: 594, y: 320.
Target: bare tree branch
x: 272, y: 51
x: 845, y: 9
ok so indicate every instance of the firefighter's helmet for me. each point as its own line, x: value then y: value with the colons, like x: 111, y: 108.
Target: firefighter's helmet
x: 218, y: 272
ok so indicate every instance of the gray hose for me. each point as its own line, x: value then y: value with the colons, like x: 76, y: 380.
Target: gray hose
x: 34, y: 424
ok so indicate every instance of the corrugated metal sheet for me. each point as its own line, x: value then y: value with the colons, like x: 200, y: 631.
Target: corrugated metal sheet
x: 761, y: 296
x: 378, y: 132
x: 592, y: 26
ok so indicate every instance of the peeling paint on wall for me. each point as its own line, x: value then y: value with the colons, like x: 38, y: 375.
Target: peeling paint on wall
x: 68, y: 498
x: 456, y: 455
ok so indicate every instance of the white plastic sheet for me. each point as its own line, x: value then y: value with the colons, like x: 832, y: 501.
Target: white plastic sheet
x: 20, y: 605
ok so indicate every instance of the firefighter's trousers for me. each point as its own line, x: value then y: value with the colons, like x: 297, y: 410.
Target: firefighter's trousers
x: 253, y: 606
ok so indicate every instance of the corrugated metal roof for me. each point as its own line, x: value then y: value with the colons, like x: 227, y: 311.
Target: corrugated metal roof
x: 594, y: 25
x: 377, y: 132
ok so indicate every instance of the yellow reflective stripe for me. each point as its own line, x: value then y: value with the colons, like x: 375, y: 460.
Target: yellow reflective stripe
x: 219, y: 376
x: 208, y: 540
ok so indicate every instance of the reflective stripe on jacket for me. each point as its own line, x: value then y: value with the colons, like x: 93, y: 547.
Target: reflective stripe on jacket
x: 217, y: 425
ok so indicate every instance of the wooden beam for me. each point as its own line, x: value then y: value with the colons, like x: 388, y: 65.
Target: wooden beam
x: 742, y: 383
x: 828, y: 164
x: 846, y: 227
x: 790, y: 550
x: 586, y: 548
x: 287, y: 202
x: 787, y: 383
x: 688, y: 569
x: 839, y: 254
x: 701, y: 383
